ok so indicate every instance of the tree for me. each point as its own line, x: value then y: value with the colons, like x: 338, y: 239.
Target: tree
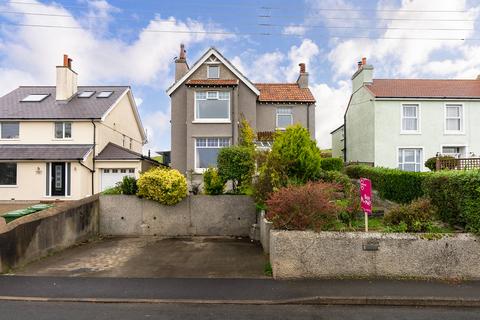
x: 247, y: 135
x: 236, y: 163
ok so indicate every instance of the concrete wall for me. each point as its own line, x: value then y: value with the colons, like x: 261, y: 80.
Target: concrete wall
x: 360, y: 127
x: 196, y: 215
x: 337, y: 143
x: 431, y: 136
x: 307, y: 254
x: 37, y: 235
x: 265, y: 227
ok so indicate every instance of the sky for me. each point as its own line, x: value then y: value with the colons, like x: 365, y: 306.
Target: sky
x: 134, y: 42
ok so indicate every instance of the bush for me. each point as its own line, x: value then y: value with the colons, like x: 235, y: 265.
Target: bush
x: 331, y: 164
x: 128, y: 185
x: 309, y: 206
x: 414, y: 217
x: 236, y: 163
x: 112, y: 190
x: 391, y: 184
x: 213, y: 184
x: 294, y: 159
x: 167, y: 186
x: 431, y: 163
x: 246, y: 135
x: 456, y: 194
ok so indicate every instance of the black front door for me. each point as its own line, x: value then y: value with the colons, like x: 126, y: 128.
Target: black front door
x: 58, y: 179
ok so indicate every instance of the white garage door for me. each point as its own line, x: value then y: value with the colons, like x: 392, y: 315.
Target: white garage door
x: 110, y: 177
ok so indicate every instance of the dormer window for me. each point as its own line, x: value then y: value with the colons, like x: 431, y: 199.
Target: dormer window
x: 35, y: 98
x: 213, y: 72
x: 104, y: 94
x: 86, y: 94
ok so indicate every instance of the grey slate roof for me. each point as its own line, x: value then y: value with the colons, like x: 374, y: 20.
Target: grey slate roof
x: 49, y: 108
x: 115, y: 152
x: 44, y: 151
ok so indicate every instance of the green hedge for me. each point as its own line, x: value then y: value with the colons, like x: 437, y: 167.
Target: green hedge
x: 331, y: 164
x: 456, y: 194
x: 391, y: 184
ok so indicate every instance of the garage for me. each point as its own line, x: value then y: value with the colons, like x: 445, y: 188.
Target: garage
x: 110, y: 176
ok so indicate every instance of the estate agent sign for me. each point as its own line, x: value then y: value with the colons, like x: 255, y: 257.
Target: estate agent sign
x: 366, y: 198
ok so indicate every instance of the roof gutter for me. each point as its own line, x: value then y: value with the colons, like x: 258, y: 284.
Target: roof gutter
x: 93, y: 157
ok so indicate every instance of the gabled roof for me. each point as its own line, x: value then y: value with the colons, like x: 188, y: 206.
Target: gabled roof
x: 45, y: 151
x: 425, y: 88
x: 11, y: 106
x: 284, y: 92
x: 113, y: 151
x: 222, y: 59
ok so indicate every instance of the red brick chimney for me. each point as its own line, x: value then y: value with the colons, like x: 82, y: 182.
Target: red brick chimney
x: 303, y: 76
x: 181, y: 65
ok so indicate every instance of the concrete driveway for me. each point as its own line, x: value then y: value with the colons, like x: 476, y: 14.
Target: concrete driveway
x: 151, y: 257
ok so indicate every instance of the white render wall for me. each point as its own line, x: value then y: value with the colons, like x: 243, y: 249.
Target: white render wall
x: 431, y: 138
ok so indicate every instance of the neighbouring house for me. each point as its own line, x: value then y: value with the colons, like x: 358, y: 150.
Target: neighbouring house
x: 338, y: 136
x: 209, y: 98
x: 68, y: 141
x: 400, y: 123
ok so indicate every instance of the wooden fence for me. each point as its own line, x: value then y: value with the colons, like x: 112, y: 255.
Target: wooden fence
x: 457, y: 163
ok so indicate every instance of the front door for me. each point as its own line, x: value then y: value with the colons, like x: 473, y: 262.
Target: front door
x: 58, y: 179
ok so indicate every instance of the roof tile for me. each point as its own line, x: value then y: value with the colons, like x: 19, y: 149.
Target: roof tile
x: 425, y: 88
x: 44, y: 151
x: 284, y: 92
x: 213, y: 82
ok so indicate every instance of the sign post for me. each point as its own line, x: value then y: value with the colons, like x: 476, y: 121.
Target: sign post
x: 366, y: 198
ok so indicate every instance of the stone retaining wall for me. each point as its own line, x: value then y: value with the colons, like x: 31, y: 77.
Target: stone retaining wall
x: 39, y: 234
x: 224, y: 215
x: 307, y: 254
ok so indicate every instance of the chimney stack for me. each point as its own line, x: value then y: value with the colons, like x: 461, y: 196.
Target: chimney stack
x: 181, y: 65
x: 66, y: 86
x: 363, y: 75
x: 303, y: 76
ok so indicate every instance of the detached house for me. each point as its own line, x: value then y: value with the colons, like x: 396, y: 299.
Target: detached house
x: 68, y: 141
x: 209, y: 98
x: 400, y: 123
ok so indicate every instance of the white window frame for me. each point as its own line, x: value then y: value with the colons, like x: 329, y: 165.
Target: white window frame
x: 9, y: 139
x: 454, y: 145
x: 16, y: 178
x: 283, y: 114
x: 462, y: 118
x: 63, y: 130
x: 422, y: 156
x: 209, y: 76
x: 201, y: 170
x: 419, y: 117
x: 212, y: 120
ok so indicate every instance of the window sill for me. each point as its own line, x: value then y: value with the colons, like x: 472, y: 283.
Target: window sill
x: 410, y: 133
x: 453, y: 133
x: 8, y: 186
x: 60, y: 139
x: 212, y: 121
x: 7, y: 139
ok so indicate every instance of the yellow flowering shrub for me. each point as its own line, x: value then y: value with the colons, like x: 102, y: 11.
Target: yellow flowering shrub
x: 167, y: 186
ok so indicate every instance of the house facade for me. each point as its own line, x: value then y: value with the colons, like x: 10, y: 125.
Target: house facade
x: 209, y: 98
x: 338, y: 138
x: 67, y: 141
x: 400, y: 123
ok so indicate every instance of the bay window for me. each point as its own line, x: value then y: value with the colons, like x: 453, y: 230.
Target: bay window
x: 212, y: 106
x: 206, y: 151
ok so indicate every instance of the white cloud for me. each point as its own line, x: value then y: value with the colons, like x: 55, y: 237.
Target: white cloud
x: 331, y: 104
x: 138, y: 101
x: 295, y: 30
x: 157, y: 126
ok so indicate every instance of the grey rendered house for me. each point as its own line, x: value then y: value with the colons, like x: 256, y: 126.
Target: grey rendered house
x: 400, y: 123
x: 338, y: 138
x: 209, y: 98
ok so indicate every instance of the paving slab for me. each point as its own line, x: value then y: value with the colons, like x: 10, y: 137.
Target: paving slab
x: 152, y: 257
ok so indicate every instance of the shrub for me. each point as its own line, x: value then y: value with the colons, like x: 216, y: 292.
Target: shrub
x: 456, y: 194
x: 391, y: 184
x: 112, y: 190
x: 236, y: 163
x: 294, y: 159
x: 213, y: 184
x: 309, y: 206
x: 128, y: 185
x: 167, y: 186
x: 431, y: 163
x: 414, y: 217
x: 246, y: 135
x: 331, y: 164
